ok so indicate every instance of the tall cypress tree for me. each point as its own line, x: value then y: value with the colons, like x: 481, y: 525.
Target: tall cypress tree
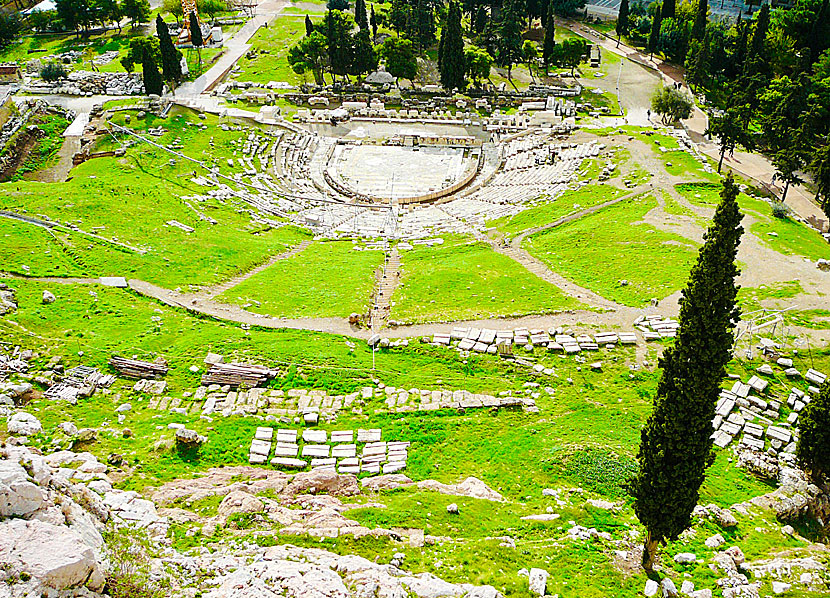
x: 510, y: 40
x: 309, y: 26
x: 171, y: 65
x: 654, y: 34
x: 480, y: 20
x: 373, y: 22
x: 451, y: 56
x: 153, y: 85
x: 622, y: 20
x: 668, y: 9
x: 819, y: 32
x: 813, y: 448
x: 701, y: 16
x: 549, y: 43
x: 196, y: 35
x: 759, y: 35
x: 675, y: 443
x: 360, y: 15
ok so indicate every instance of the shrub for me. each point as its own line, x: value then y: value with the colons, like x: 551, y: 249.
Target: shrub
x: 53, y: 71
x: 780, y: 210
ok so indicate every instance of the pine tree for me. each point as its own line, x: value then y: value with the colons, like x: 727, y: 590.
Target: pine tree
x: 622, y: 20
x: 153, y: 85
x: 196, y: 36
x: 171, y: 58
x: 701, y: 16
x: 451, y: 54
x: 668, y: 9
x: 549, y: 43
x: 675, y: 443
x: 309, y: 26
x: 813, y: 448
x: 424, y: 23
x: 360, y: 15
x: 373, y: 22
x: 654, y: 34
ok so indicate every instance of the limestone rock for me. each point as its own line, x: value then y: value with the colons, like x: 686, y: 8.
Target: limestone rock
x: 538, y: 581
x: 687, y: 587
x: 54, y: 555
x: 323, y: 480
x: 18, y: 495
x: 239, y: 502
x: 48, y: 297
x: 668, y: 587
x: 24, y: 424
x: 389, y: 481
x: 472, y: 487
x: 779, y: 587
x: 452, y: 508
x: 189, y: 438
x: 684, y: 557
x: 651, y: 588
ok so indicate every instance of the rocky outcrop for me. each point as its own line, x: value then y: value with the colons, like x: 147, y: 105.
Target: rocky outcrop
x: 796, y: 497
x: 471, y: 487
x: 323, y: 480
x: 24, y: 424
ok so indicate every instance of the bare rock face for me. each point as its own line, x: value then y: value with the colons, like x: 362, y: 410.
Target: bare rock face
x: 389, y: 481
x: 239, y: 502
x: 24, y: 424
x: 319, y: 480
x: 472, y: 487
x: 54, y: 555
x: 8, y: 302
x: 189, y: 438
x: 18, y: 495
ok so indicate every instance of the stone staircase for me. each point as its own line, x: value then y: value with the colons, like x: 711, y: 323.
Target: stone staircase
x: 386, y: 286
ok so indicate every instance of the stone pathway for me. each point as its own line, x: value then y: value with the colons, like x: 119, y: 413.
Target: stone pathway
x: 387, y: 284
x: 215, y: 291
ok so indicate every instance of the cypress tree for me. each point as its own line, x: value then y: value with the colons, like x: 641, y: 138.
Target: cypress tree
x: 451, y: 56
x: 360, y: 15
x: 622, y: 20
x: 654, y: 34
x: 701, y: 16
x: 549, y: 43
x: 675, y: 443
x: 153, y: 84
x: 668, y: 10
x: 759, y: 36
x: 373, y: 23
x: 171, y: 65
x: 480, y: 20
x: 813, y: 448
x: 819, y: 32
x: 196, y: 35
x: 309, y: 26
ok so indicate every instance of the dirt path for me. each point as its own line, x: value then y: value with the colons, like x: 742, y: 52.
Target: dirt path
x: 216, y: 290
x: 59, y: 171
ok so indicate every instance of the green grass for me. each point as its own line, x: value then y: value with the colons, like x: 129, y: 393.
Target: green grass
x: 133, y: 198
x: 466, y: 280
x: 277, y: 40
x: 35, y: 248
x: 790, y: 237
x: 601, y: 249
x: 568, y: 203
x: 750, y: 298
x: 326, y: 279
x: 44, y: 153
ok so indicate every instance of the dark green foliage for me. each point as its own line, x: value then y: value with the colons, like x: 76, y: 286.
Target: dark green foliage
x: 423, y: 29
x: 195, y: 31
x: 337, y: 27
x: 364, y: 56
x: 309, y: 26
x: 399, y: 55
x: 759, y: 34
x: 701, y: 17
x: 697, y: 62
x: 813, y: 448
x: 153, y: 84
x: 566, y: 8
x: 138, y: 47
x: 373, y: 22
x: 53, y: 71
x: 482, y: 16
x: 451, y: 57
x: 310, y: 54
x: 171, y: 66
x: 671, y: 104
x: 730, y: 129
x: 622, y: 19
x: 569, y: 53
x: 676, y: 445
x: 138, y: 11
x: 674, y: 39
x: 819, y: 39
x: 654, y: 35
x: 668, y: 9
x: 549, y: 43
x: 820, y: 169
x: 10, y: 26
x: 74, y: 15
x: 360, y: 16
x: 510, y: 41
x: 337, y: 4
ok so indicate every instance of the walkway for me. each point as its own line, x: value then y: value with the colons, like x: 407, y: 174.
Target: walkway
x: 235, y: 47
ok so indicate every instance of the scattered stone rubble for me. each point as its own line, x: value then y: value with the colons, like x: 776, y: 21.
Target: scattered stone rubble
x: 88, y: 83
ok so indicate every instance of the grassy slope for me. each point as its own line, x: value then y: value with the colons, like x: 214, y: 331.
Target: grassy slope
x: 327, y: 279
x: 133, y: 197
x: 461, y: 280
x: 613, y: 244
